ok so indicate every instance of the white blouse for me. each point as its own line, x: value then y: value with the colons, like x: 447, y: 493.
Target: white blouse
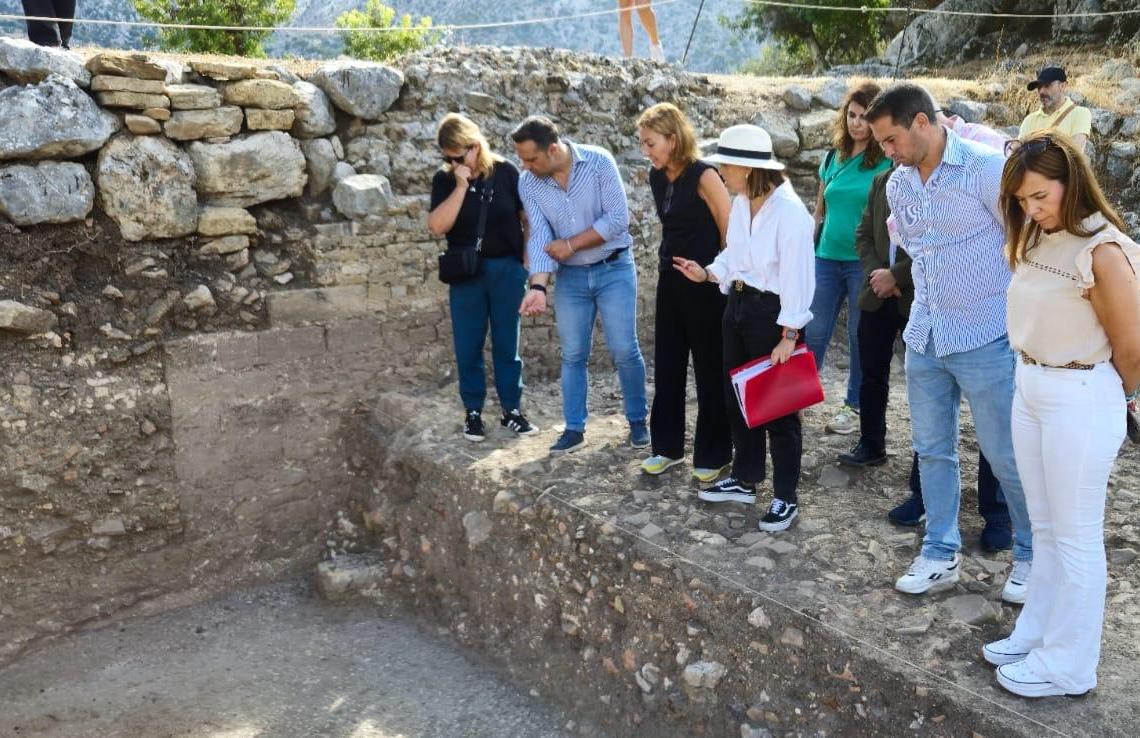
x: 773, y: 252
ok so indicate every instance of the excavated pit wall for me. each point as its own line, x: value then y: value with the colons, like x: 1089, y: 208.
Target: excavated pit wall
x: 161, y: 443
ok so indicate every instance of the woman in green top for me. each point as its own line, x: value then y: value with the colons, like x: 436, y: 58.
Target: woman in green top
x: 844, y: 181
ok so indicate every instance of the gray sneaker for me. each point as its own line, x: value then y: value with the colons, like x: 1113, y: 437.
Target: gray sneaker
x: 845, y: 422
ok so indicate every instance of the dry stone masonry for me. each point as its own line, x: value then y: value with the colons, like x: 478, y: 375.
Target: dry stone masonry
x: 208, y: 269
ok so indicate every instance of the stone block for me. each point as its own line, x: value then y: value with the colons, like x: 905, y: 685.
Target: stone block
x: 363, y: 89
x: 361, y: 195
x: 289, y: 307
x: 257, y: 119
x: 354, y: 336
x: 54, y: 119
x: 314, y: 112
x: 815, y: 129
x: 224, y: 245
x: 260, y: 93
x: 193, y: 97
x: 146, y: 185
x: 251, y: 169
x: 225, y: 221
x: 134, y: 100
x: 224, y: 71
x: 109, y: 83
x: 47, y: 192
x: 26, y: 63
x: 191, y: 125
x: 142, y: 125
x: 159, y: 114
x: 138, y: 66
x: 21, y: 318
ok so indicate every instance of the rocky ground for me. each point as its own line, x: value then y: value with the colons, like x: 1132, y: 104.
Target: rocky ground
x: 272, y: 662
x: 833, y: 570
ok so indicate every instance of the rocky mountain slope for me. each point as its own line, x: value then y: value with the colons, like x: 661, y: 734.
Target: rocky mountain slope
x: 714, y: 48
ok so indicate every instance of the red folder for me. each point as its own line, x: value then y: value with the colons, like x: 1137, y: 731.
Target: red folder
x: 766, y: 391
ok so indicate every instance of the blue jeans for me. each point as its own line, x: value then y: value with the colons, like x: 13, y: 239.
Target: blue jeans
x: 935, y: 387
x: 493, y: 297
x: 836, y: 281
x: 581, y: 294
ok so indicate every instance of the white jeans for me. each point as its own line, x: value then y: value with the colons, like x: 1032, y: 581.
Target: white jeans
x: 1068, y: 425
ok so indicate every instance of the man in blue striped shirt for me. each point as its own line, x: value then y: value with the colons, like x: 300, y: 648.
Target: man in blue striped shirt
x: 944, y: 197
x: 579, y: 227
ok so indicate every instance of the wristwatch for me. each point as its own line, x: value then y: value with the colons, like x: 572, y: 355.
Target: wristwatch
x: 540, y: 287
x: 792, y: 334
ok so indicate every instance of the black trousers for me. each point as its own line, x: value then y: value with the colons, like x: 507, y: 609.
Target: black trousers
x: 877, y: 332
x: 688, y: 321
x: 751, y: 331
x: 45, y: 33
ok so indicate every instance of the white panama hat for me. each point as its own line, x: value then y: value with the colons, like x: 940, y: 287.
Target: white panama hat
x: 745, y: 145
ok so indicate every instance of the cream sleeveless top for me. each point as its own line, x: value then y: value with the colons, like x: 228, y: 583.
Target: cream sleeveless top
x: 1048, y: 313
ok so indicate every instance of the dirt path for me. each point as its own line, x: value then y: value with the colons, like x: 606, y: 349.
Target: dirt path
x: 267, y: 662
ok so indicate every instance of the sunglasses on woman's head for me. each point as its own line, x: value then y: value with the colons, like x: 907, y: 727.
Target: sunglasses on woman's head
x: 1031, y: 148
x: 457, y: 159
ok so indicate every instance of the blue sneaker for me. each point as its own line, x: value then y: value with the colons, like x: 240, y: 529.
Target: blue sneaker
x: 910, y: 513
x: 997, y: 535
x: 639, y: 435
x: 569, y: 442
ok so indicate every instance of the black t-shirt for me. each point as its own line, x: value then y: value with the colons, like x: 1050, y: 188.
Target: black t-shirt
x: 503, y: 235
x: 688, y: 228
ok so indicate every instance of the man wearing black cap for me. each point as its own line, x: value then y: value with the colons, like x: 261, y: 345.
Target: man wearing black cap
x: 1057, y: 110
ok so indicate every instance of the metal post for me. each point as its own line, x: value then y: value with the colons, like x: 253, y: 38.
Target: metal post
x: 685, y: 56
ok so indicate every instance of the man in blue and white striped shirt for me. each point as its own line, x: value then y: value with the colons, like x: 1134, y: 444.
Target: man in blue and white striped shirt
x: 579, y: 227
x: 944, y: 198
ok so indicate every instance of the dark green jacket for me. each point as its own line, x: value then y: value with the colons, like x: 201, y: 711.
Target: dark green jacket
x: 873, y: 245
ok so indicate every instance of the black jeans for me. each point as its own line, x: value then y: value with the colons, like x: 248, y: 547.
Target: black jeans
x: 751, y: 331
x: 688, y: 320
x: 46, y: 33
x: 991, y: 501
x: 877, y: 332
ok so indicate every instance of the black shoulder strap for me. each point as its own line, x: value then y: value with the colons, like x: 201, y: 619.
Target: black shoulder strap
x: 488, y: 192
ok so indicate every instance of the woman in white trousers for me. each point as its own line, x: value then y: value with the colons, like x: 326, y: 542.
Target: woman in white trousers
x: 1073, y: 314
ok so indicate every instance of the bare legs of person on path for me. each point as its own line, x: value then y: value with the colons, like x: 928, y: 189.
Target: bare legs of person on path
x: 648, y: 21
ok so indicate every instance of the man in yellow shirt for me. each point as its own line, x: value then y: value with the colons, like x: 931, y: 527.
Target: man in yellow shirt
x: 1057, y: 110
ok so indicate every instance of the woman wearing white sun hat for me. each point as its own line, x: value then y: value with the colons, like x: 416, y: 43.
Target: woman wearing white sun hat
x: 767, y: 270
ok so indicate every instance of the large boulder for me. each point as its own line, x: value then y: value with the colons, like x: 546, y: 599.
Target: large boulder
x: 361, y: 195
x: 363, y: 89
x: 815, y: 129
x: 146, y: 185
x: 46, y: 192
x: 315, y: 116
x: 255, y: 168
x: 27, y: 63
x: 54, y: 119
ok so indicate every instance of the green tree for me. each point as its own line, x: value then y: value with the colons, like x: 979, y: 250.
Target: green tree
x: 215, y: 13
x: 384, y: 45
x: 829, y: 36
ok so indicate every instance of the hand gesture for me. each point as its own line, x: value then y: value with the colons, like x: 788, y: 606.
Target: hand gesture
x: 559, y: 250
x: 883, y: 283
x: 783, y: 350
x: 534, y: 303
x: 691, y: 269
x: 462, y: 174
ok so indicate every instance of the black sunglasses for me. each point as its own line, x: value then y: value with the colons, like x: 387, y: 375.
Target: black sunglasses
x: 1028, y: 148
x: 457, y: 159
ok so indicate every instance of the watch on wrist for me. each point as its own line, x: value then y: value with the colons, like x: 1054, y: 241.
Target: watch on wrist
x: 792, y: 334
x: 540, y: 287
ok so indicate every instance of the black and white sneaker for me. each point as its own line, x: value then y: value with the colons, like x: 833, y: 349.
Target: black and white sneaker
x: 473, y: 426
x: 514, y: 421
x: 729, y: 489
x: 780, y: 515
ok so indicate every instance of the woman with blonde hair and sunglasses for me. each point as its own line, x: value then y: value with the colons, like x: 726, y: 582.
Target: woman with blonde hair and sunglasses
x: 693, y: 205
x: 1073, y: 313
x: 473, y: 178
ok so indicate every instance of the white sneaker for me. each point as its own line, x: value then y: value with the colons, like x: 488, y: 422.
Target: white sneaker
x: 845, y: 422
x: 1020, y: 679
x: 1017, y: 584
x: 927, y: 575
x: 656, y: 53
x: 1005, y: 651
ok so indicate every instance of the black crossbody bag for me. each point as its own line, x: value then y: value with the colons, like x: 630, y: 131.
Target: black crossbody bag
x: 461, y: 264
